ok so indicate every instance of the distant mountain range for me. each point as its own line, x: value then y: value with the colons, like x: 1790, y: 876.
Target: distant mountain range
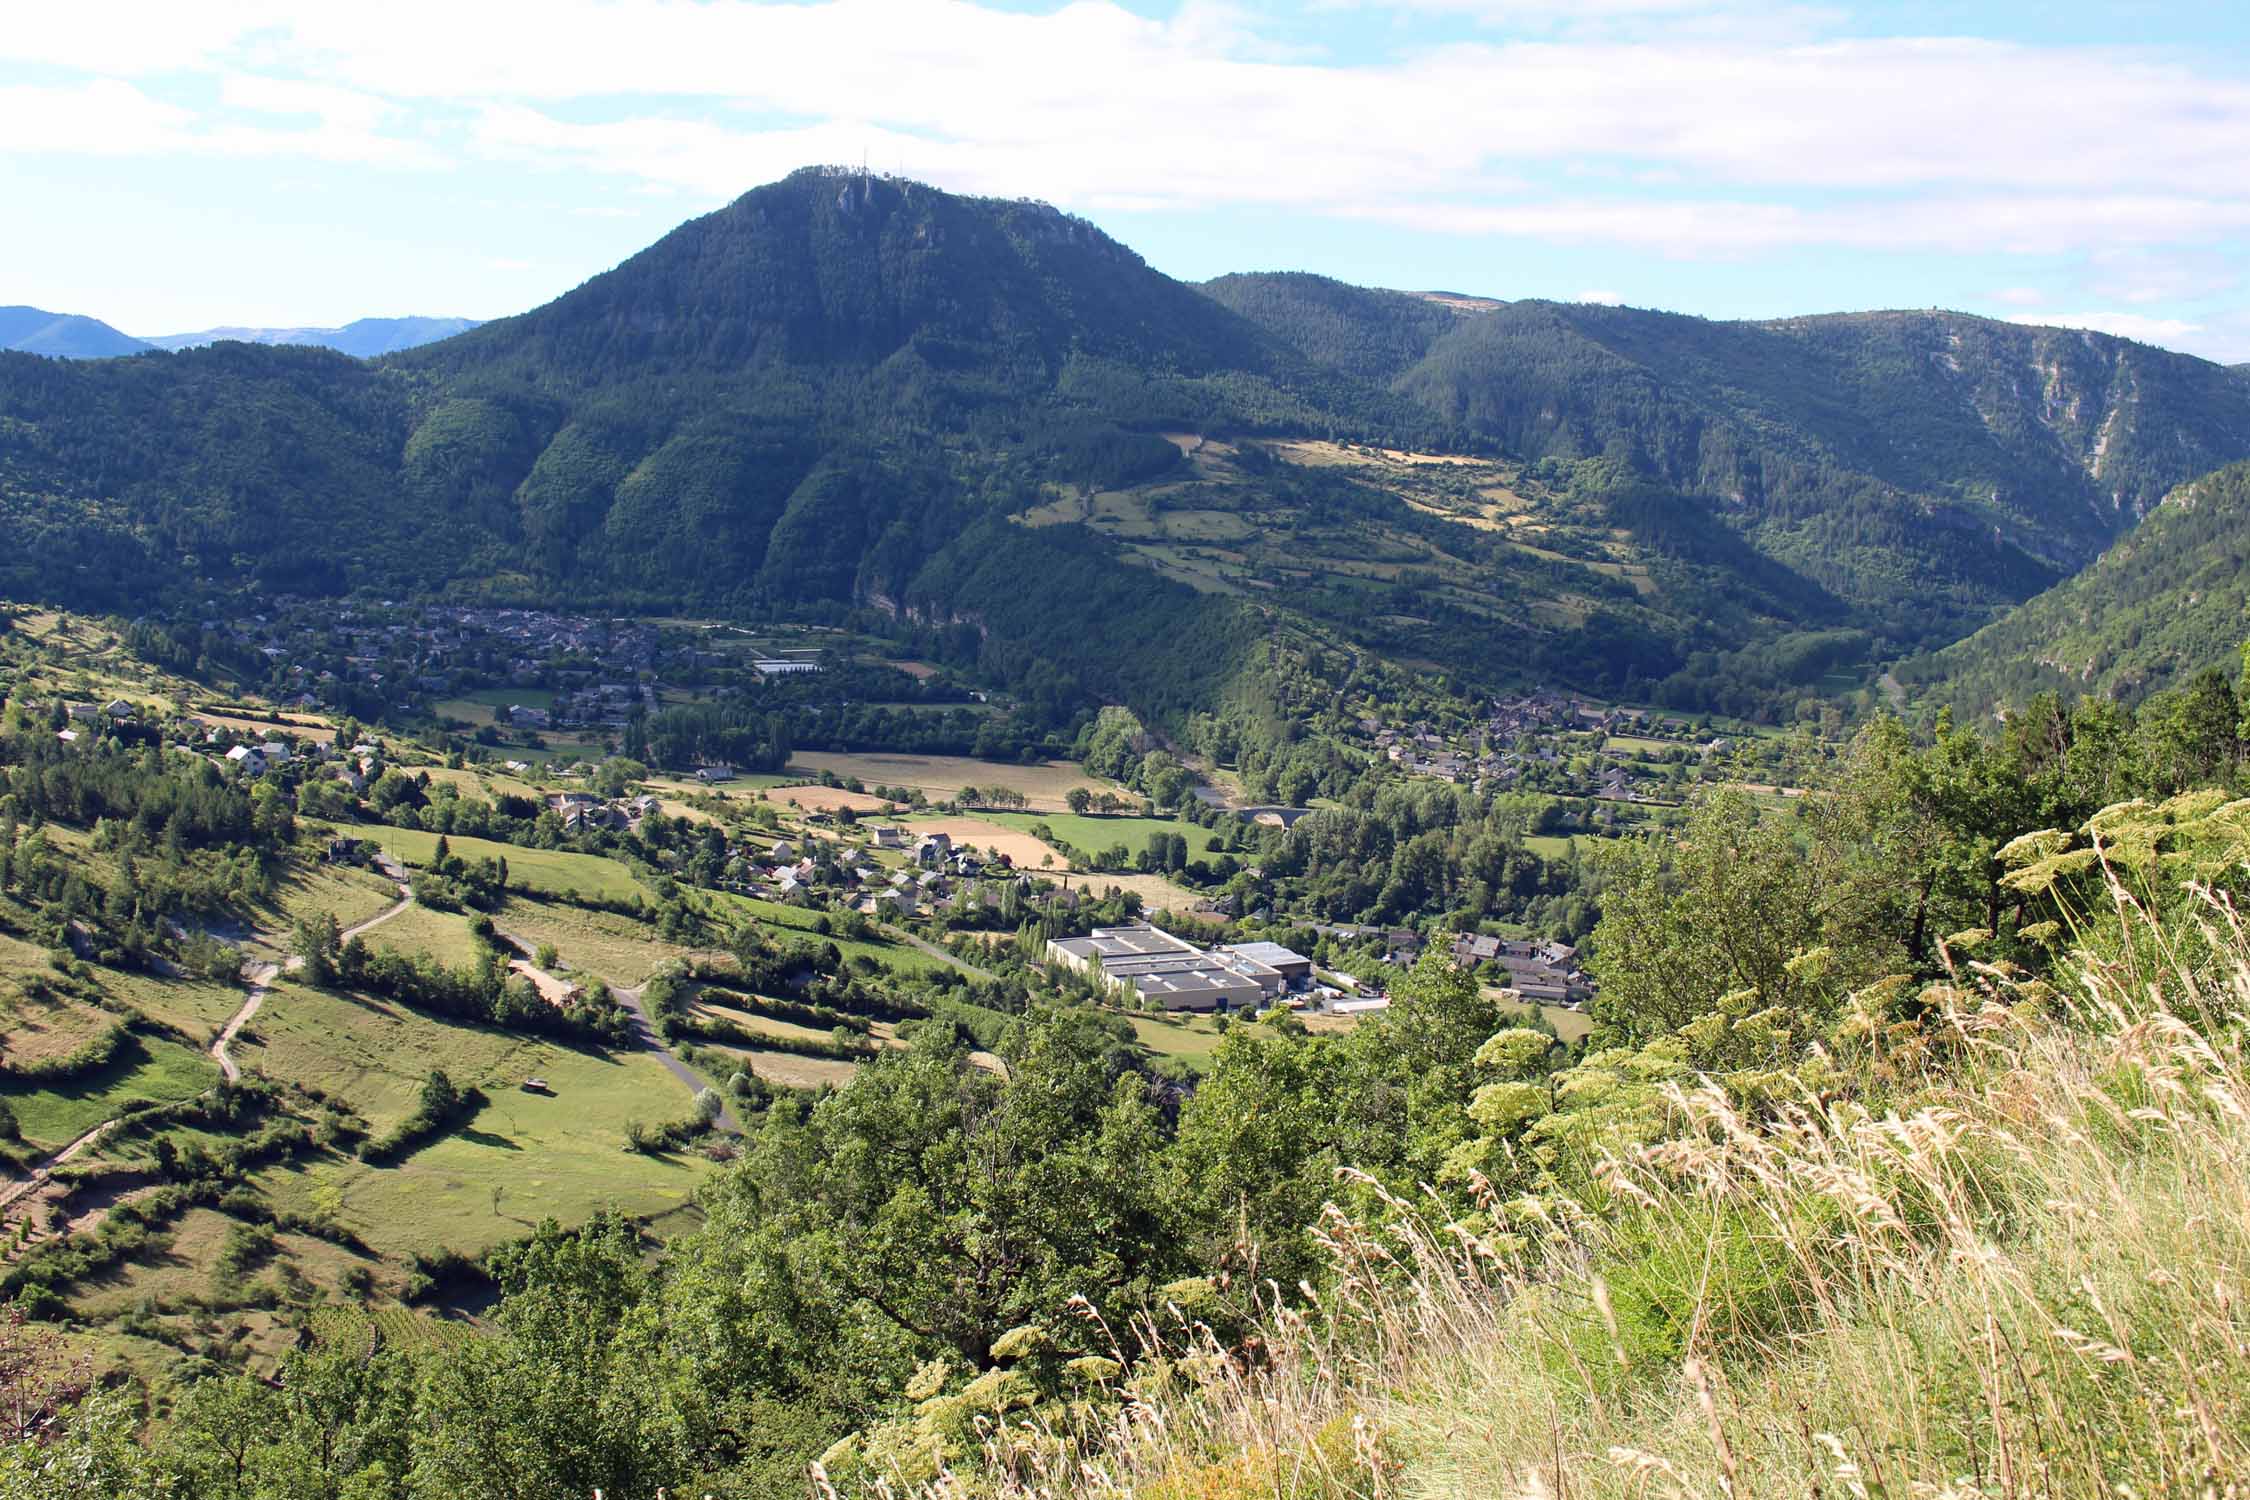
x: 991, y: 417
x: 363, y: 338
x: 32, y: 330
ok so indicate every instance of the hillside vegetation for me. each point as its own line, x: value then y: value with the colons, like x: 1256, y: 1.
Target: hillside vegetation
x: 2166, y: 602
x: 833, y: 391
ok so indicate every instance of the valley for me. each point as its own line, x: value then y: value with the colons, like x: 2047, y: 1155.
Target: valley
x: 871, y: 839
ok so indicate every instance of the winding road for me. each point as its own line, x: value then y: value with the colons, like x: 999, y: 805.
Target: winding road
x: 262, y: 976
x: 644, y: 1031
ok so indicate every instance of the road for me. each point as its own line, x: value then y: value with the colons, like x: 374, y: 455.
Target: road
x: 644, y: 1031
x: 16, y: 1191
x: 262, y: 976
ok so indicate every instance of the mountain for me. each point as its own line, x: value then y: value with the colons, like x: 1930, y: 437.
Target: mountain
x: 986, y: 415
x: 363, y: 338
x: 1928, y: 467
x: 32, y: 330
x: 2167, y: 601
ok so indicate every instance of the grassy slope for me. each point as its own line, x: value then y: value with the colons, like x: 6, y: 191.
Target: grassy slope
x: 150, y: 1068
x: 1092, y: 834
x: 618, y: 949
x: 2007, y: 1266
x: 893, y: 955
x: 443, y: 935
x: 550, y: 870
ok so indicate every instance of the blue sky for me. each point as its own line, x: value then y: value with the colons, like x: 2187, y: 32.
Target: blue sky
x: 171, y: 166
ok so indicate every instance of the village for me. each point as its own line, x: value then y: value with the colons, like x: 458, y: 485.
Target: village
x: 1554, y: 742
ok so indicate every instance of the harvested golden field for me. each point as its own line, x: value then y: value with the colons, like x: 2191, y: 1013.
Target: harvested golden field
x: 1156, y: 893
x: 295, y: 726
x: 39, y: 1033
x: 827, y: 799
x: 941, y: 777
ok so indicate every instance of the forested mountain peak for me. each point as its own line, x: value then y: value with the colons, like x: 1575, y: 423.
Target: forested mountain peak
x: 845, y: 389
x: 838, y: 268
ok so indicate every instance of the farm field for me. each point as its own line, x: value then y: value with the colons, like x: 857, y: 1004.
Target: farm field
x: 1022, y: 850
x: 483, y: 705
x: 1156, y: 892
x: 296, y: 726
x: 38, y: 1032
x: 553, y: 871
x: 483, y: 782
x: 372, y: 1054
x: 523, y: 1158
x: 187, y: 1270
x: 443, y: 935
x: 1569, y: 1024
x: 197, y: 1007
x: 941, y: 777
x: 146, y: 1067
x: 615, y: 948
x: 1191, y: 1039
x: 827, y: 799
x: 789, y: 1070
x: 1092, y: 833
x: 744, y: 782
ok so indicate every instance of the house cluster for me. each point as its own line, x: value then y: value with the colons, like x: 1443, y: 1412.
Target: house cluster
x: 583, y: 812
x: 940, y: 879
x: 1148, y: 964
x: 1548, y: 973
x: 405, y: 653
x: 1402, y: 946
x: 84, y: 722
x: 1537, y: 731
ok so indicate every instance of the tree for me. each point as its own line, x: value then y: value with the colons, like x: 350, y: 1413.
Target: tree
x: 1078, y: 799
x: 1723, y: 908
x: 320, y: 942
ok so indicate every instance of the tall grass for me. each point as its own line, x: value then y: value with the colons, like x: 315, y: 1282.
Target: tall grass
x: 2020, y: 1269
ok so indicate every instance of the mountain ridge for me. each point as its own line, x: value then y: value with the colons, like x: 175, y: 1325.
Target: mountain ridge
x: 2168, y: 600
x: 836, y: 390
x: 34, y: 330
x: 362, y: 338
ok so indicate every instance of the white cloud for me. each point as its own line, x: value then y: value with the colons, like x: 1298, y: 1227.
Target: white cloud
x: 1605, y: 298
x: 2019, y: 296
x: 106, y: 117
x: 1712, y: 144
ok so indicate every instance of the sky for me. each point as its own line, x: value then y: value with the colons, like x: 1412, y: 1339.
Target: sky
x: 171, y: 165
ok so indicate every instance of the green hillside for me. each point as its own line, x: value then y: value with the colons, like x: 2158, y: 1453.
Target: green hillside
x: 2169, y: 600
x: 840, y: 389
x: 1925, y: 467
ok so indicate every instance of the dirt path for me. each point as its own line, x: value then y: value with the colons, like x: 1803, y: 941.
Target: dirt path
x: 14, y: 1192
x: 262, y: 976
x: 924, y: 945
